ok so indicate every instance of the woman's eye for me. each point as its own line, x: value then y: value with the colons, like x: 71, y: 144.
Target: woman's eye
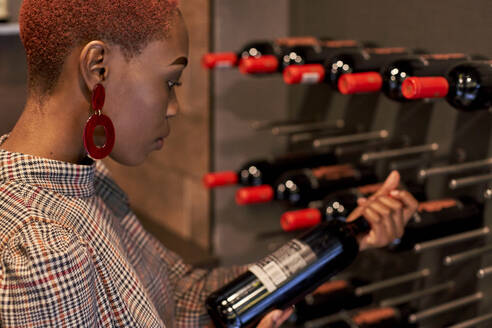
x: 171, y: 84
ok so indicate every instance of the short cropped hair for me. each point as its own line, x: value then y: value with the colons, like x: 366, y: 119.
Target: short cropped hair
x: 51, y: 29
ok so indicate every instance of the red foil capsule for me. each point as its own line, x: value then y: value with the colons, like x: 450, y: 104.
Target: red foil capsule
x: 300, y: 219
x: 360, y: 82
x: 424, y: 87
x: 219, y: 60
x: 305, y: 74
x: 259, y: 65
x: 253, y: 195
x: 217, y: 179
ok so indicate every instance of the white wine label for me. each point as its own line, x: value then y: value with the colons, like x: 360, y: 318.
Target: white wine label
x: 310, y: 78
x: 283, y: 264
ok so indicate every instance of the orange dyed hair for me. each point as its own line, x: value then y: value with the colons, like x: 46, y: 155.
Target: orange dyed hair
x: 50, y: 29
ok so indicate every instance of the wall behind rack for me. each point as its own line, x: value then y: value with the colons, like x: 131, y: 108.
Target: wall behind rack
x: 243, y: 234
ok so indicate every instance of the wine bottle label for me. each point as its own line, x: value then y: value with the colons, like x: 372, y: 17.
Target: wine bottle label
x: 297, y: 41
x: 385, y: 51
x: 221, y: 64
x: 335, y: 172
x: 444, y: 56
x: 437, y: 205
x: 339, y: 43
x: 280, y: 266
x: 311, y: 78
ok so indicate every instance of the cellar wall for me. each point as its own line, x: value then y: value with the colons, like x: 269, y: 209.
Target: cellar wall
x: 243, y: 234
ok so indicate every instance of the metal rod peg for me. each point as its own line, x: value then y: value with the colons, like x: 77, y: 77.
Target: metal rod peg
x: 473, y: 322
x: 469, y: 181
x: 484, y: 272
x: 446, y: 307
x: 451, y: 239
x: 305, y: 127
x: 456, y: 168
x: 363, y: 290
x: 463, y: 256
x: 351, y: 138
x: 374, y: 156
x: 395, y: 301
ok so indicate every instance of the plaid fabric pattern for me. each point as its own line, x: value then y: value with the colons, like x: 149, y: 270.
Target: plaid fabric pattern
x: 72, y: 254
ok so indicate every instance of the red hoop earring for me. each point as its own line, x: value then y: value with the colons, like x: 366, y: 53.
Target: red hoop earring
x: 98, y: 119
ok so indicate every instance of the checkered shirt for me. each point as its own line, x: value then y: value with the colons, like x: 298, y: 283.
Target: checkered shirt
x: 72, y: 254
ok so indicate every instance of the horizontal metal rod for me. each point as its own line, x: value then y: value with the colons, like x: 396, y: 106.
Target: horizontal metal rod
x: 487, y: 193
x: 484, y: 272
x: 446, y: 307
x: 363, y: 290
x: 456, y: 238
x: 268, y: 124
x: 463, y: 256
x: 473, y: 322
x: 350, y: 138
x: 374, y: 156
x: 305, y: 127
x: 394, y: 301
x: 455, y: 168
x: 470, y: 181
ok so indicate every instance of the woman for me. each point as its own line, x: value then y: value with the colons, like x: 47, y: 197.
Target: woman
x: 72, y: 254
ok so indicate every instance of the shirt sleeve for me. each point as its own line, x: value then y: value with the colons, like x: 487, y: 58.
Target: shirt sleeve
x: 46, y: 279
x: 192, y: 286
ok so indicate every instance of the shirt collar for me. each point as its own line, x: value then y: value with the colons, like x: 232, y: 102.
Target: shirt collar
x: 69, y: 179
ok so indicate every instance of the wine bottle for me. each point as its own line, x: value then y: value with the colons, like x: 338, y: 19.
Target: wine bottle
x: 4, y: 11
x: 396, y: 72
x: 266, y: 171
x: 256, y: 49
x: 298, y: 188
x: 355, y: 61
x: 289, y: 54
x: 287, y: 275
x: 334, y: 206
x: 329, y: 298
x: 467, y: 86
x: 440, y: 218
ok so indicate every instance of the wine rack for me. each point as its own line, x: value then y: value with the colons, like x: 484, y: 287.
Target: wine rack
x: 244, y: 234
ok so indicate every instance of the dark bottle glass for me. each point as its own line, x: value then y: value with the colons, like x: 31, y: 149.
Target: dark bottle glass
x: 440, y: 218
x: 422, y: 65
x: 467, y: 86
x: 301, y: 187
x: 385, y: 317
x: 335, y: 206
x: 266, y: 171
x: 331, y: 298
x: 298, y: 188
x: 345, y: 62
x: 288, y: 275
x: 288, y: 53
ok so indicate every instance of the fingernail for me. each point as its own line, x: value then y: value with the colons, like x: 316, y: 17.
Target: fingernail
x: 394, y: 192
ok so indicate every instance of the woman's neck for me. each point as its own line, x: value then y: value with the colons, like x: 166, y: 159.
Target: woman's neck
x: 51, y: 129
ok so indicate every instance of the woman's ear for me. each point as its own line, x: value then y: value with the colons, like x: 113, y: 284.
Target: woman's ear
x: 94, y: 63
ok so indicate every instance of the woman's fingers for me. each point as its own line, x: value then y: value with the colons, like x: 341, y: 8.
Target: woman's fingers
x: 275, y: 318
x: 410, y: 204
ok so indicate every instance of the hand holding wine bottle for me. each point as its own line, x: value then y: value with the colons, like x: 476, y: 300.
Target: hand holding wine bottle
x: 388, y: 210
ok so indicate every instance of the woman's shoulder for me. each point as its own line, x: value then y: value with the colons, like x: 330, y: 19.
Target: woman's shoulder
x: 23, y: 206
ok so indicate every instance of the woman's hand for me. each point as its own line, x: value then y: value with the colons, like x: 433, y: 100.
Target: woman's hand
x: 388, y: 211
x: 275, y: 318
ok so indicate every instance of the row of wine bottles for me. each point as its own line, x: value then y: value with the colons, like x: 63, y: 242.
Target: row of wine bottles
x: 350, y: 67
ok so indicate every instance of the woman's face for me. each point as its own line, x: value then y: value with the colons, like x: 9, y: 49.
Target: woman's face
x: 140, y: 96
